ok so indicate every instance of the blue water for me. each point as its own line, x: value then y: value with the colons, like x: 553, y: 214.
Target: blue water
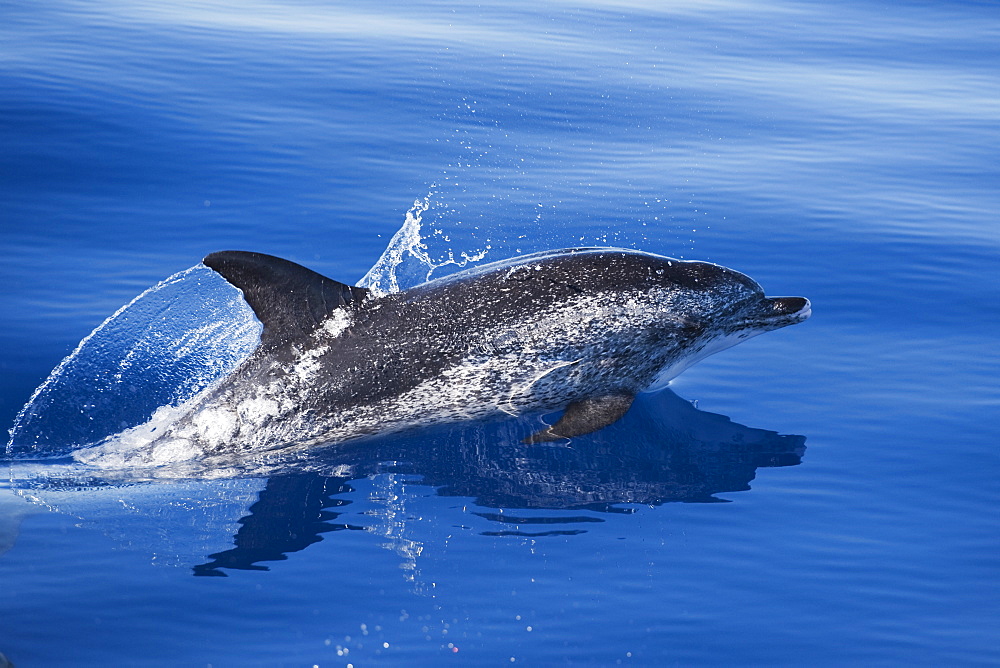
x: 832, y: 499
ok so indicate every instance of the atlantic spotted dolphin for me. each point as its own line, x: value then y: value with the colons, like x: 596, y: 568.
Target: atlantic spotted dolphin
x: 583, y: 330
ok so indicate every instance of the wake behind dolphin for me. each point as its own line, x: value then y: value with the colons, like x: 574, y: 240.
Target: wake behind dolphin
x: 583, y: 330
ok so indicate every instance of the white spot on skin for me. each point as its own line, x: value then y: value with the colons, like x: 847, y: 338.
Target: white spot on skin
x: 336, y: 324
x: 308, y: 363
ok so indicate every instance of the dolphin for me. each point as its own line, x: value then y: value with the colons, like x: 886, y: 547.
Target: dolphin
x: 581, y: 329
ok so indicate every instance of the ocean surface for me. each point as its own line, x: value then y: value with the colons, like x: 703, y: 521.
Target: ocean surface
x: 822, y: 495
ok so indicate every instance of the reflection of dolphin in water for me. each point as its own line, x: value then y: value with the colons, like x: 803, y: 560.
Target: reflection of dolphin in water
x: 290, y: 514
x: 677, y: 453
x: 583, y: 330
x: 663, y: 450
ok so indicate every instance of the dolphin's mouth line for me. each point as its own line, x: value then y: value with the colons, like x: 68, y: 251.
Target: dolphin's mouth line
x: 793, y: 317
x: 769, y: 321
x: 803, y: 313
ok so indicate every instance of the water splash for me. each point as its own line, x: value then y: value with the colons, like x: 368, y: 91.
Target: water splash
x: 408, y: 261
x: 160, y: 349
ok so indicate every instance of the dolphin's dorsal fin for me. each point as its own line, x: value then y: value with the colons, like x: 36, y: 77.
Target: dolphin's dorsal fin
x: 287, y: 298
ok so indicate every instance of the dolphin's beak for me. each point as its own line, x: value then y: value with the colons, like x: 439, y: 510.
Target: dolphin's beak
x: 789, y: 310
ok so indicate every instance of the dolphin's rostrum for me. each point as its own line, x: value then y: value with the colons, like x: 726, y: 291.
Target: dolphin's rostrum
x: 580, y: 329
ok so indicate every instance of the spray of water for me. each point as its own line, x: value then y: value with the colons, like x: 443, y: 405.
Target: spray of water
x: 408, y: 260
x: 160, y: 349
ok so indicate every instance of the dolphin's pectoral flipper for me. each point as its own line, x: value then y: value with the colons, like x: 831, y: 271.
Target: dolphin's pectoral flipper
x: 583, y: 417
x: 287, y: 298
